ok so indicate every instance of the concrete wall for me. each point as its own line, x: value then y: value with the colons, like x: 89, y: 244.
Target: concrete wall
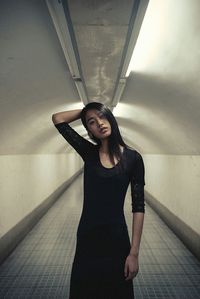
x: 173, y: 189
x: 29, y: 184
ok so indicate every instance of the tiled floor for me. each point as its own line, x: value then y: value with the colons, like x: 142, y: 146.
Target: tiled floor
x: 40, y: 266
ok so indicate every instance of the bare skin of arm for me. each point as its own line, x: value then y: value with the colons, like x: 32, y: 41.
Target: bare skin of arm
x: 131, y: 265
x: 67, y: 116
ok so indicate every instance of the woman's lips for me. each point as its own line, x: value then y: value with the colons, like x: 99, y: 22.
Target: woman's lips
x: 103, y: 130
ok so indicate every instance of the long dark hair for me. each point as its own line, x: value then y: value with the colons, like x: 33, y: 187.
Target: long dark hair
x: 115, y: 139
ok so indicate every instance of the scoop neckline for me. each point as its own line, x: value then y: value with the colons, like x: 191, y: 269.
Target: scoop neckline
x: 109, y: 168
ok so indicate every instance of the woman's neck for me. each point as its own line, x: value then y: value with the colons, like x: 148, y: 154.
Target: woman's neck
x: 104, y: 147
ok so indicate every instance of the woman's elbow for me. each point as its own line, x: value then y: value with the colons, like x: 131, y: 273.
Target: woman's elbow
x: 55, y: 118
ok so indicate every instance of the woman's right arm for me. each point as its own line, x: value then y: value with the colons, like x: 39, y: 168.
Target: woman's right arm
x: 66, y: 116
x: 61, y: 121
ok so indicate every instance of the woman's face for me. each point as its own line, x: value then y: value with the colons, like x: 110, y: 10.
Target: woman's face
x: 97, y: 124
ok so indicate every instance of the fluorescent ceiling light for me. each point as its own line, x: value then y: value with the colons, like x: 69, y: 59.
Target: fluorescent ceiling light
x: 151, y: 36
x: 136, y: 20
x: 56, y: 10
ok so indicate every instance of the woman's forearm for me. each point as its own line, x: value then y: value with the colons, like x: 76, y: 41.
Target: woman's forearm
x: 67, y: 116
x: 137, y: 226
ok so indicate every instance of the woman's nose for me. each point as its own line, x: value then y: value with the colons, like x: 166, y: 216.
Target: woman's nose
x: 99, y: 121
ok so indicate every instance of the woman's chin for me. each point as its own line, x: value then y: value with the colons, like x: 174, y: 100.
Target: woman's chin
x: 103, y: 136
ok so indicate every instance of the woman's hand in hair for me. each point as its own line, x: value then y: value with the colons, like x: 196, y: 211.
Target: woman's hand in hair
x: 131, y: 266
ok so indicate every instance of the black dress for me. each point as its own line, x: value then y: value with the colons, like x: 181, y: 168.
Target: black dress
x: 102, y: 240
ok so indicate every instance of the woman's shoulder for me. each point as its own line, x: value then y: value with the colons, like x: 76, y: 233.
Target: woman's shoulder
x: 133, y: 157
x: 133, y: 153
x: 135, y: 162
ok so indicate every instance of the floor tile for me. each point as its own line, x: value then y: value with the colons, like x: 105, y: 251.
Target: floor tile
x: 40, y: 266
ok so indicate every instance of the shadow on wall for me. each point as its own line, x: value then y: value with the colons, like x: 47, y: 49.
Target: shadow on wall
x: 171, y: 109
x: 146, y: 132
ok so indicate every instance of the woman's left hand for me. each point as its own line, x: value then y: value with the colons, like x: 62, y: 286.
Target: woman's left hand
x: 131, y: 267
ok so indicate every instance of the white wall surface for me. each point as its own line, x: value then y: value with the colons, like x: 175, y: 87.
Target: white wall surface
x: 27, y: 180
x: 174, y: 180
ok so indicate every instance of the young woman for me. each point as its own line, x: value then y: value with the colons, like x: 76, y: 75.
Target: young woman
x: 105, y: 260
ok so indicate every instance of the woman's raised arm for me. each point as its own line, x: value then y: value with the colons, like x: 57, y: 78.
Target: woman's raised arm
x: 67, y: 116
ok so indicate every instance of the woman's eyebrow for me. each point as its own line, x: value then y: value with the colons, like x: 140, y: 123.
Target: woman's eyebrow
x: 90, y: 118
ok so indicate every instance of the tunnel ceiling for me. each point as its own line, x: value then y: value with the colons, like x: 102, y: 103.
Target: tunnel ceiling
x: 159, y: 110
x: 100, y: 29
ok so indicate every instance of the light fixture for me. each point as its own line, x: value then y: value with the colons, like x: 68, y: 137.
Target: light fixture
x: 138, y: 13
x: 59, y: 16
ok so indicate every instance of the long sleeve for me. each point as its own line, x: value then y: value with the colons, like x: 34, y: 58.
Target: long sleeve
x: 80, y: 144
x: 137, y: 185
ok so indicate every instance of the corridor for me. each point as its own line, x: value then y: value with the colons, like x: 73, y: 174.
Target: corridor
x: 141, y: 60
x: 40, y: 266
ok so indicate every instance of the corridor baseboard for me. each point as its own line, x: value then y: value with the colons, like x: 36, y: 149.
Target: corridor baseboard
x: 188, y: 236
x: 14, y: 236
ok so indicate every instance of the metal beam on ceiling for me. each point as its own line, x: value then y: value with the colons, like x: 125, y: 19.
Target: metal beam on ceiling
x: 59, y: 13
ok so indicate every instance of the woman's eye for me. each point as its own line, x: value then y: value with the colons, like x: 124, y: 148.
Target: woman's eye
x: 91, y: 122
